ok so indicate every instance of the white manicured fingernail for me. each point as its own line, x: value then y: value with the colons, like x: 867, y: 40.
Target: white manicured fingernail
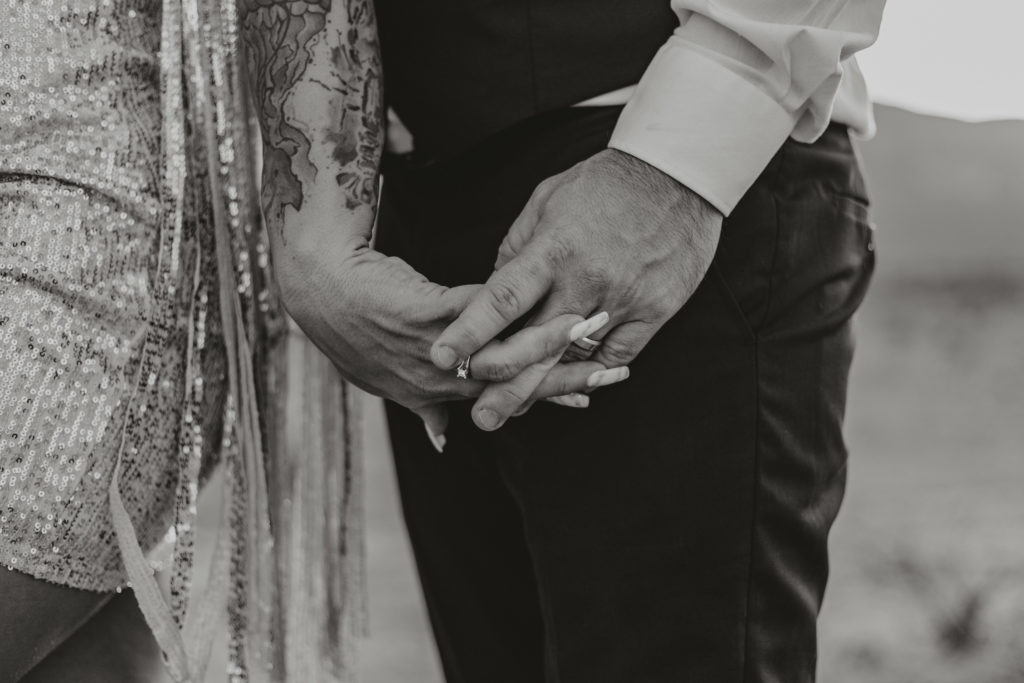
x: 588, y: 326
x: 436, y: 440
x: 603, y: 378
x: 571, y: 400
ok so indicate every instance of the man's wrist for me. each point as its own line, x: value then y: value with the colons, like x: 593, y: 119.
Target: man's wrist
x: 702, y: 123
x: 661, y: 183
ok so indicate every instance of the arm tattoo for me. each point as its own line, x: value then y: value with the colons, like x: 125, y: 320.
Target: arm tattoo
x: 330, y: 44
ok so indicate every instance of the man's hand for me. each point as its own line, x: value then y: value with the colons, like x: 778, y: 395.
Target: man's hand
x: 610, y: 234
x: 375, y: 318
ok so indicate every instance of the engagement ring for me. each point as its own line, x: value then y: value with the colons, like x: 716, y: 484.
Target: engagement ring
x: 462, y: 371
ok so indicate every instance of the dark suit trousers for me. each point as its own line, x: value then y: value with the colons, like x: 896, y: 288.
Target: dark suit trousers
x: 675, y: 531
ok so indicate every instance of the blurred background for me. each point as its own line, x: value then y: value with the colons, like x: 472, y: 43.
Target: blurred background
x: 928, y: 553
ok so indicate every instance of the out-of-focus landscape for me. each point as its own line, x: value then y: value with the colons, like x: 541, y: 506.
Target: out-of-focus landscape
x: 928, y: 553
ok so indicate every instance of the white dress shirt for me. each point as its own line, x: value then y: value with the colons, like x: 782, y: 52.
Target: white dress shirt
x: 736, y: 79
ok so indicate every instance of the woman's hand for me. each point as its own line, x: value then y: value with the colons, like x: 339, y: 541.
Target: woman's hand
x: 375, y: 318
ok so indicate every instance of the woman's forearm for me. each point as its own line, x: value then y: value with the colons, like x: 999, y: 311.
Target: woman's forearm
x: 314, y: 70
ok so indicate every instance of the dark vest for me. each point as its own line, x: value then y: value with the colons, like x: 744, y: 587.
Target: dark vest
x: 457, y: 71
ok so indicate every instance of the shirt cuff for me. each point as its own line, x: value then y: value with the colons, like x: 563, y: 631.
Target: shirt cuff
x: 702, y: 123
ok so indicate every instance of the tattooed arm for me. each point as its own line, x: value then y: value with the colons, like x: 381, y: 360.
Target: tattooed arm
x: 314, y: 71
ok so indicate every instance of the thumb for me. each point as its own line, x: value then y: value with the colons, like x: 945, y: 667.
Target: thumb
x: 521, y: 232
x: 517, y: 236
x: 508, y: 295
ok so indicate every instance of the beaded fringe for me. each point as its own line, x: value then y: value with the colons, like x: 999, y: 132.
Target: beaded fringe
x: 288, y: 564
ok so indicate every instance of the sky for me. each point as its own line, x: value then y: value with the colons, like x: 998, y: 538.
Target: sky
x: 956, y: 59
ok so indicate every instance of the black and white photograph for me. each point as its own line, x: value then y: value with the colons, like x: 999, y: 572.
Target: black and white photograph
x: 511, y: 341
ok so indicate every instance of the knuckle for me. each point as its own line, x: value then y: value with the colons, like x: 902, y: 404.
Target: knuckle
x: 617, y: 353
x: 509, y: 396
x: 544, y: 188
x: 558, y: 252
x: 564, y: 385
x: 504, y: 298
x: 592, y: 275
x: 662, y: 312
x: 508, y: 249
x: 630, y: 289
x: 651, y: 310
x: 424, y: 387
x: 560, y: 381
x: 534, y: 268
x: 664, y: 304
x: 500, y: 370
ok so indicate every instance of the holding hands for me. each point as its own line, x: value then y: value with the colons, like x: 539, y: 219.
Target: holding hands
x: 606, y: 251
x: 610, y: 234
x: 612, y: 241
x: 376, y: 318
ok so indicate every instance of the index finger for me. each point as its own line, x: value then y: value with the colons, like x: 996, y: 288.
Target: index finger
x: 506, y: 296
x: 500, y: 361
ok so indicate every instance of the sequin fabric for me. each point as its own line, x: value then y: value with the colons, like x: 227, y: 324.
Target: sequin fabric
x: 79, y: 292
x: 141, y: 340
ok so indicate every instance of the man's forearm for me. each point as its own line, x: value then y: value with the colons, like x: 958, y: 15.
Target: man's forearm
x: 314, y: 71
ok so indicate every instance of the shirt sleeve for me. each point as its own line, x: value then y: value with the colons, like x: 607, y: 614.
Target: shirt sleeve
x: 734, y: 81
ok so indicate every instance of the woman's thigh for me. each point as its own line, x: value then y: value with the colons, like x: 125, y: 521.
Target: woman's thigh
x: 113, y: 645
x: 37, y: 617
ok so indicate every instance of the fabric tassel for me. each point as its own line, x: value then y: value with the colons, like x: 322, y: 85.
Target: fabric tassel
x: 289, y: 566
x: 296, y: 428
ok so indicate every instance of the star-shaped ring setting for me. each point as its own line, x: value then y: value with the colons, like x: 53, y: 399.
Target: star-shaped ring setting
x: 462, y: 370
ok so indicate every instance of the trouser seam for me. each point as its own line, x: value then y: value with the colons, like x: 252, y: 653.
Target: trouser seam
x: 775, y: 247
x: 755, y: 487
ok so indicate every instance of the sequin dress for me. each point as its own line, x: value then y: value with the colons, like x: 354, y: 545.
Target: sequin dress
x: 140, y: 341
x: 80, y: 206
